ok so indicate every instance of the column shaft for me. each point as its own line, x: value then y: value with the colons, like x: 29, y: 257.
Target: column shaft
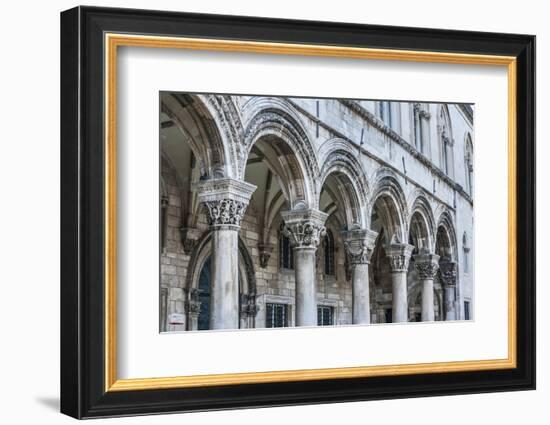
x: 305, y: 229
x: 450, y: 312
x: 399, y: 256
x: 428, y: 314
x: 306, y: 291
x: 361, y: 296
x: 224, y: 290
x: 399, y: 297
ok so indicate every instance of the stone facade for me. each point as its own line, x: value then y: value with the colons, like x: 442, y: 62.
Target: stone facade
x: 375, y: 200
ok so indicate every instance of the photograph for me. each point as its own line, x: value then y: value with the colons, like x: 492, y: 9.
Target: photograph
x: 299, y: 211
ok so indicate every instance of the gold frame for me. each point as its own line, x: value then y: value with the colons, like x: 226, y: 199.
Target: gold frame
x: 113, y: 41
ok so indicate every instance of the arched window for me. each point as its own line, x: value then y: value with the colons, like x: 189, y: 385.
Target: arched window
x: 286, y: 257
x: 469, y: 164
x: 466, y: 248
x: 421, y: 118
x: 445, y: 141
x: 384, y: 112
x: 328, y: 247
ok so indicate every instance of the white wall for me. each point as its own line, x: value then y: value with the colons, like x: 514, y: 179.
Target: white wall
x: 29, y: 171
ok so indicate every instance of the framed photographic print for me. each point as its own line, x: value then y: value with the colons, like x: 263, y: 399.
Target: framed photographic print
x: 261, y: 212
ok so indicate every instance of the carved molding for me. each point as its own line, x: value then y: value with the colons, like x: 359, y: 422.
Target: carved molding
x: 304, y: 228
x: 359, y: 245
x: 399, y: 256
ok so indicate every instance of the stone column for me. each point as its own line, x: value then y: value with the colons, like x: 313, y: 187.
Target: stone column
x: 426, y: 265
x: 359, y: 244
x: 305, y: 228
x: 226, y: 201
x: 448, y: 276
x: 399, y: 256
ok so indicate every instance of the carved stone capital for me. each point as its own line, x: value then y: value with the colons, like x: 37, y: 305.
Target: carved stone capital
x: 448, y: 273
x: 225, y: 200
x: 399, y: 256
x: 265, y: 251
x: 426, y: 265
x: 304, y: 228
x: 359, y: 245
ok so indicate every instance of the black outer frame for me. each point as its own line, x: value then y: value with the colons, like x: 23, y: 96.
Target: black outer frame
x: 82, y: 206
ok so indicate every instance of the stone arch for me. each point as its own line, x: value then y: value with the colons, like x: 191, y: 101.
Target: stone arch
x: 422, y: 226
x: 340, y: 162
x: 446, y: 241
x: 202, y: 251
x: 212, y: 126
x: 389, y: 202
x: 278, y: 134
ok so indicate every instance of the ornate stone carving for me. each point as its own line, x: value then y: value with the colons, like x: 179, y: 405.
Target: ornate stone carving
x: 359, y: 245
x: 248, y: 305
x: 225, y: 212
x: 265, y: 251
x: 426, y: 265
x: 304, y: 228
x: 189, y: 237
x: 225, y: 199
x: 448, y: 273
x: 399, y: 256
x: 193, y: 305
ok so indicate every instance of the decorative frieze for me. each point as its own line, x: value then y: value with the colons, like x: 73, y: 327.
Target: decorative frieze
x: 304, y: 228
x: 399, y: 256
x: 359, y: 245
x: 426, y: 265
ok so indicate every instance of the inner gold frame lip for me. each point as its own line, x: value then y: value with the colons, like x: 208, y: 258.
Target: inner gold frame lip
x: 114, y: 40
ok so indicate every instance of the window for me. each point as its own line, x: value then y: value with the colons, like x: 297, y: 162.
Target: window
x: 469, y: 165
x: 466, y: 310
x: 446, y: 141
x: 286, y: 257
x: 384, y: 112
x: 421, y: 127
x: 328, y: 247
x: 276, y: 315
x: 325, y: 315
x: 466, y: 248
